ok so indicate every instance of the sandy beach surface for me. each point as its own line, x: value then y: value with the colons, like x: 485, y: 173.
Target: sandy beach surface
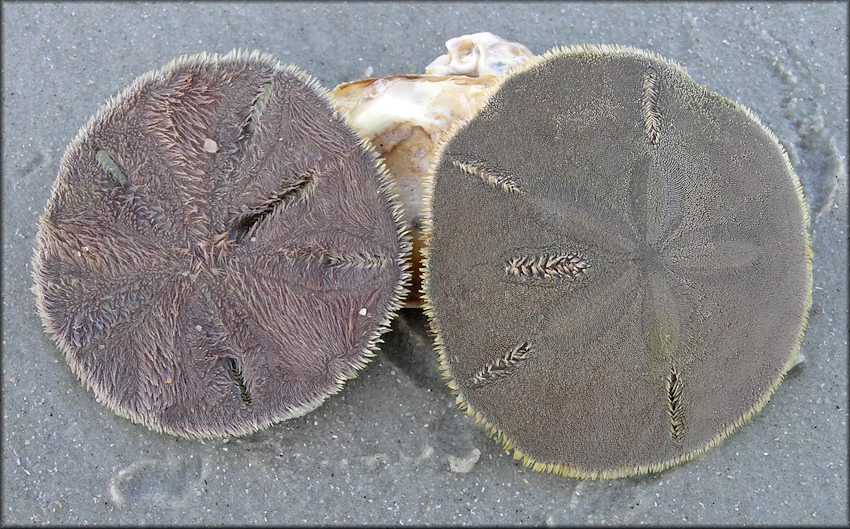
x: 392, y: 448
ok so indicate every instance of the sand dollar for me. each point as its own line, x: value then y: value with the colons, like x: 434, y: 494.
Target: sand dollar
x: 220, y: 250
x: 619, y: 271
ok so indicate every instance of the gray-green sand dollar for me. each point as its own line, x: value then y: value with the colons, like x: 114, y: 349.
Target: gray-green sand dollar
x: 619, y: 270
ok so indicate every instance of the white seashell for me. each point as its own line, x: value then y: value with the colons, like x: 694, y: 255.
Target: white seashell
x: 477, y: 55
x: 404, y: 116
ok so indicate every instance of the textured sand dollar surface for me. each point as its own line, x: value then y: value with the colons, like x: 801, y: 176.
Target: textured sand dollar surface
x: 220, y: 251
x: 619, y: 271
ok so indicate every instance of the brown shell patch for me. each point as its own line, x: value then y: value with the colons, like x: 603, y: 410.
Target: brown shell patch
x: 220, y: 251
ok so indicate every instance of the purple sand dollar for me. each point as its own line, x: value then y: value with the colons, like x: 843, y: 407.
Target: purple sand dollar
x: 220, y: 251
